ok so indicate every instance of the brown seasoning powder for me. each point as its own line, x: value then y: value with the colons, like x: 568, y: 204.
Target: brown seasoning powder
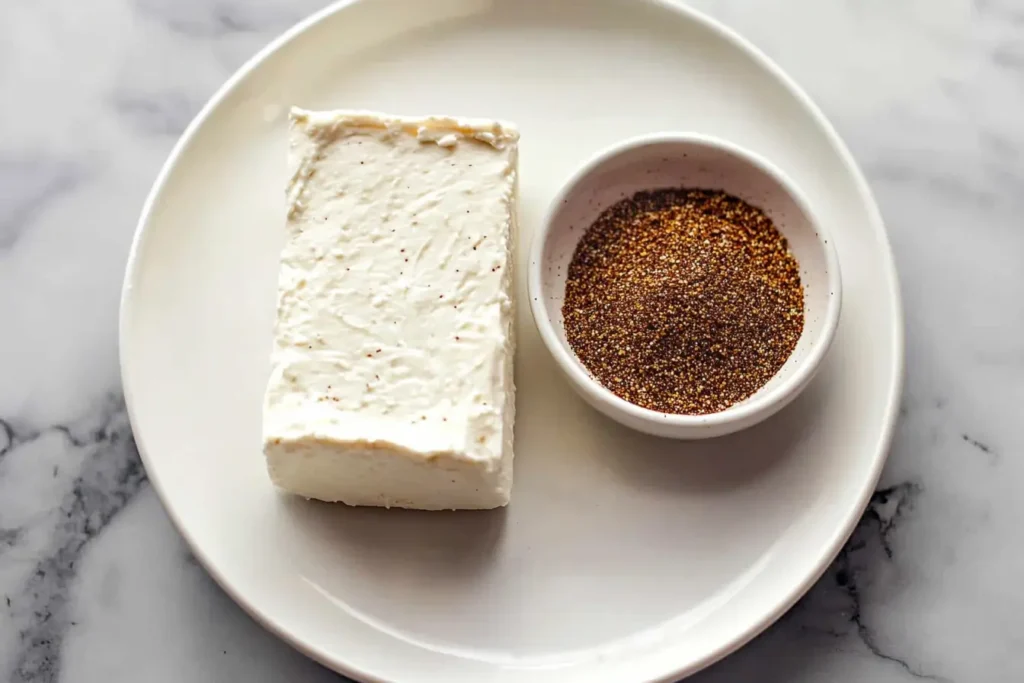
x: 683, y: 300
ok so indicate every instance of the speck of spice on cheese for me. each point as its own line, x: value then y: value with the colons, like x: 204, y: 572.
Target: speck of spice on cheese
x: 683, y: 301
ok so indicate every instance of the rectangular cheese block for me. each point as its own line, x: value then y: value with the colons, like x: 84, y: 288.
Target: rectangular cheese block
x: 391, y: 372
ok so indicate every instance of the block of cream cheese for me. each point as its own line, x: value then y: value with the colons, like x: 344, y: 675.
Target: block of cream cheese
x: 391, y: 372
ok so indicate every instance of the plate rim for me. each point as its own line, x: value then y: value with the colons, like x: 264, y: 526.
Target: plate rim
x: 839, y: 537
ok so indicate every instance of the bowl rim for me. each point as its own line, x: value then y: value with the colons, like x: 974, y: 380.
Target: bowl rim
x: 745, y: 413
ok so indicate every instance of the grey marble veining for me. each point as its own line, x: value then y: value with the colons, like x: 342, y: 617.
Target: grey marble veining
x: 28, y: 184
x: 60, y: 487
x: 98, y: 588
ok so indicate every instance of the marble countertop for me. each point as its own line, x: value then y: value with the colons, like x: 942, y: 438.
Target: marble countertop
x: 99, y: 588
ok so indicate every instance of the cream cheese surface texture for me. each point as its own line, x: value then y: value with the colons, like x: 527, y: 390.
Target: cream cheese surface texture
x: 391, y: 372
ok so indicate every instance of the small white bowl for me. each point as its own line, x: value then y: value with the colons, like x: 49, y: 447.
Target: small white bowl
x: 698, y: 161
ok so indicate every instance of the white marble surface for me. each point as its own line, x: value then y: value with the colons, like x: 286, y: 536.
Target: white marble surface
x: 97, y: 586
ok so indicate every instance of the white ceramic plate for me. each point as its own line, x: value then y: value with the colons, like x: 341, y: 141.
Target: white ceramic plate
x: 622, y: 557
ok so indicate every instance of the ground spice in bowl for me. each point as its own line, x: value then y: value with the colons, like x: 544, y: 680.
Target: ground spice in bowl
x: 683, y: 301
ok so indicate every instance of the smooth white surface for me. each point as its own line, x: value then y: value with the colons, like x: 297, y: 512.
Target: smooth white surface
x: 391, y: 370
x: 925, y: 92
x: 580, y: 578
x: 685, y: 160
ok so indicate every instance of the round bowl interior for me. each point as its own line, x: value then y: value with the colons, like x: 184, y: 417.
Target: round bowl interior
x: 696, y: 162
